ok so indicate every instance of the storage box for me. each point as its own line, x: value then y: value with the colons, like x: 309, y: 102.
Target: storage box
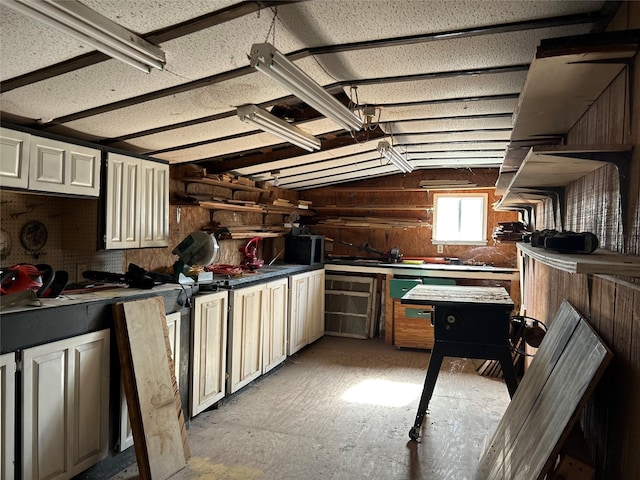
x: 304, y: 249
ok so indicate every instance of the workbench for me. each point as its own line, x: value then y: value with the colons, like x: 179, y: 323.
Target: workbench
x: 470, y: 322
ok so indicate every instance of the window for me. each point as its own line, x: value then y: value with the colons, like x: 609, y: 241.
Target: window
x: 460, y: 218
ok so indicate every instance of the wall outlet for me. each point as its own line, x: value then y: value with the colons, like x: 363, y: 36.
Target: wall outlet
x: 440, y: 248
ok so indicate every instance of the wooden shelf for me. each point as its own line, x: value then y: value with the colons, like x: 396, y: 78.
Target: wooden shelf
x: 547, y: 169
x: 390, y: 208
x: 581, y: 67
x: 219, y: 183
x: 600, y: 262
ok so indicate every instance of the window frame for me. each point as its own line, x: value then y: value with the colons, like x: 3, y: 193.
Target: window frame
x: 485, y: 200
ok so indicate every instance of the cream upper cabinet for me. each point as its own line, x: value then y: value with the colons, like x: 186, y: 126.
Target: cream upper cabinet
x: 274, y: 338
x: 61, y: 167
x: 245, y: 340
x: 14, y: 158
x: 306, y: 309
x: 7, y: 415
x: 45, y: 165
x: 154, y: 206
x: 209, y: 350
x: 65, y: 401
x: 137, y: 204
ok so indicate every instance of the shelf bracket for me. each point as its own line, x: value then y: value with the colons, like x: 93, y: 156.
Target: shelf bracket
x: 622, y: 161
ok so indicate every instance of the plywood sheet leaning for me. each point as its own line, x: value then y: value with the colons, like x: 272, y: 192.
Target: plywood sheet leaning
x: 150, y: 387
x: 541, y: 415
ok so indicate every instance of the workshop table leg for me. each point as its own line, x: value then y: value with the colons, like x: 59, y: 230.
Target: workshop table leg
x: 435, y: 362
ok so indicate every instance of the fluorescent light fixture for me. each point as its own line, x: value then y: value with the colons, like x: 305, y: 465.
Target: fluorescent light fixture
x: 266, y: 59
x: 390, y: 153
x: 75, y: 19
x: 272, y: 124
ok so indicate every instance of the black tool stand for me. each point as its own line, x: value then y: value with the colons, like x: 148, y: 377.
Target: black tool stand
x: 470, y: 322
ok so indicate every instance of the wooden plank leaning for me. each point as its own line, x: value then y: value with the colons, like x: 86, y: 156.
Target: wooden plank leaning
x: 150, y: 386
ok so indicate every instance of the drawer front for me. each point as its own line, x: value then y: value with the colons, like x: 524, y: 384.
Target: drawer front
x: 412, y: 326
x: 399, y: 287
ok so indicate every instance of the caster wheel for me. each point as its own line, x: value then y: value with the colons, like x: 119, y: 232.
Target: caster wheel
x: 414, y: 433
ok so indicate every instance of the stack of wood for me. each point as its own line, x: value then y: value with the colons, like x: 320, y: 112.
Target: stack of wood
x: 283, y: 202
x: 371, y: 222
x: 446, y: 184
x: 304, y: 204
x: 510, y: 232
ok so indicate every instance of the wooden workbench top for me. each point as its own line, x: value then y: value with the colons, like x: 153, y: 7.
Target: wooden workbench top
x: 440, y: 294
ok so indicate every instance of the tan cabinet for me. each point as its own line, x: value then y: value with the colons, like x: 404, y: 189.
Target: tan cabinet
x: 45, y: 165
x: 137, y: 207
x: 306, y: 309
x: 65, y: 401
x: 209, y: 350
x: 7, y: 416
x: 412, y: 327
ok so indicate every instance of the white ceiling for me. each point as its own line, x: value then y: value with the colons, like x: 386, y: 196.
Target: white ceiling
x: 445, y: 99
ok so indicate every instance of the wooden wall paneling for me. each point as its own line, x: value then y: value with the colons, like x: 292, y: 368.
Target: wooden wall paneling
x: 620, y: 433
x: 632, y: 442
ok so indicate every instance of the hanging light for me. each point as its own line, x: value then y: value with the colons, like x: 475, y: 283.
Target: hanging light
x: 390, y: 153
x: 75, y: 19
x: 266, y: 59
x: 270, y: 123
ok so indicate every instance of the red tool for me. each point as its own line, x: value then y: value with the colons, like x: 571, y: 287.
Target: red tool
x: 250, y: 252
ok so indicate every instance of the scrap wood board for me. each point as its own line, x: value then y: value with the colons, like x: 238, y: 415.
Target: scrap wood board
x: 542, y: 413
x: 152, y: 394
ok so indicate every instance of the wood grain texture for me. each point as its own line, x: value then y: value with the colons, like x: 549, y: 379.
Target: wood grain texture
x: 150, y: 388
x: 568, y: 365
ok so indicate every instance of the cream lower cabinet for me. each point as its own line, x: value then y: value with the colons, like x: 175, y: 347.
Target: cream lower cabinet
x: 306, y: 309
x: 245, y: 339
x: 274, y: 338
x: 258, y: 327
x: 65, y: 395
x: 208, y: 350
x: 173, y: 328
x: 7, y: 414
x: 137, y: 205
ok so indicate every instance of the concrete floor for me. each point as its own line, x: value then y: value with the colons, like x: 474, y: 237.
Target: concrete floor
x: 341, y: 409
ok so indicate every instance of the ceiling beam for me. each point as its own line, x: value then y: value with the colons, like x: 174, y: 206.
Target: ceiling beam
x: 225, y: 163
x: 156, y: 37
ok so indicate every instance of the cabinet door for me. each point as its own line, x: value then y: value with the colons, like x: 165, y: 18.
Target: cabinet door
x: 274, y: 340
x: 298, y: 311
x: 209, y: 329
x: 123, y: 202
x: 7, y: 414
x: 315, y: 316
x: 62, y: 167
x: 14, y: 158
x: 65, y: 406
x: 173, y: 327
x: 247, y: 313
x: 154, y: 209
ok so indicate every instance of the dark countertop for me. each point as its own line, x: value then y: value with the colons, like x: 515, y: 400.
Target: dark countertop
x: 75, y: 314
x: 263, y: 274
